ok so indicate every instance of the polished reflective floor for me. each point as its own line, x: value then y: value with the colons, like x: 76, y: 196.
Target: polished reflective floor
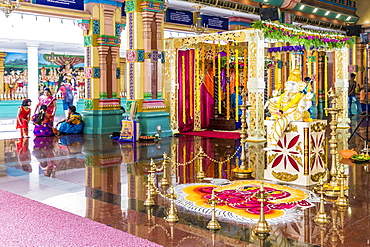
x: 97, y: 178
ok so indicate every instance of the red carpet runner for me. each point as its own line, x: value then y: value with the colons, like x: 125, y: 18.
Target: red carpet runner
x: 24, y: 222
x: 214, y: 134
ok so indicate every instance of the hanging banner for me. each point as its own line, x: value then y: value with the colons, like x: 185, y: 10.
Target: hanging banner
x: 215, y: 22
x: 179, y: 17
x: 68, y: 4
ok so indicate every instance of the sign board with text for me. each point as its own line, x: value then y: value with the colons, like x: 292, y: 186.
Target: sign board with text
x: 179, y: 17
x: 214, y: 22
x: 68, y: 4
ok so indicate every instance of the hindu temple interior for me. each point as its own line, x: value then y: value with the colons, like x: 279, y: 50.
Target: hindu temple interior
x: 206, y: 123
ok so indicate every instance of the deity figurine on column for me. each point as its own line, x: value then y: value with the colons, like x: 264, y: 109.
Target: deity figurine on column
x: 19, y: 90
x: 12, y: 84
x: 53, y: 80
x: 66, y: 71
x: 290, y: 106
x: 81, y: 83
x: 24, y: 78
x: 43, y: 80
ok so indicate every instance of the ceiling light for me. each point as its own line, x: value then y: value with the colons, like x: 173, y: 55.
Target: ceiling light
x: 327, y: 12
x: 302, y: 7
x: 338, y: 15
x: 348, y: 18
x: 315, y: 10
x: 265, y: 0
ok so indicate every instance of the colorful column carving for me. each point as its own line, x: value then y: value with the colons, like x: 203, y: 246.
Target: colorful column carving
x: 144, y: 56
x: 102, y: 33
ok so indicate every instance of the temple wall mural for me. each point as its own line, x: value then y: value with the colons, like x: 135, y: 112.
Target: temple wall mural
x: 53, y: 69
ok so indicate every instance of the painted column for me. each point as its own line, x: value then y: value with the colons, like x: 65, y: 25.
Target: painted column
x: 256, y: 85
x: 142, y: 58
x: 33, y: 74
x: 102, y: 33
x: 341, y: 84
x: 2, y: 73
x: 160, y: 52
x: 147, y: 18
x: 123, y: 92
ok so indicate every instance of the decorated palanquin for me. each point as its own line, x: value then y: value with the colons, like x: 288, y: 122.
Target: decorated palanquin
x: 237, y: 201
x: 300, y: 154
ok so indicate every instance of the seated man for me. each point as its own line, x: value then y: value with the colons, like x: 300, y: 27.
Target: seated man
x: 292, y: 105
x: 72, y: 124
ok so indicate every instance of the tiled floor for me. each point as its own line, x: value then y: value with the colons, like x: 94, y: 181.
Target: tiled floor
x: 94, y: 177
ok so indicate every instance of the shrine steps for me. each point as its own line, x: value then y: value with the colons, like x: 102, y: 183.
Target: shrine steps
x: 221, y: 124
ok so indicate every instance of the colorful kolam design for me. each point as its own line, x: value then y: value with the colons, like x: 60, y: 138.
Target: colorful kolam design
x: 237, y: 201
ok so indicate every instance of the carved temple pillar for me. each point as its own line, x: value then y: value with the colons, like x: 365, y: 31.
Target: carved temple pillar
x: 341, y: 85
x: 160, y: 48
x: 102, y: 113
x: 147, y: 18
x: 170, y: 86
x: 2, y: 73
x: 256, y: 86
x: 123, y: 92
x: 145, y: 32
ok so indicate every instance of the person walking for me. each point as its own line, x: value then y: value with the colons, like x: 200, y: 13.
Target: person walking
x: 67, y: 96
x: 352, y: 95
x: 23, y: 118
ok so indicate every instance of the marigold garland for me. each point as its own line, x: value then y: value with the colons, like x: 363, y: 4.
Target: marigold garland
x: 311, y: 39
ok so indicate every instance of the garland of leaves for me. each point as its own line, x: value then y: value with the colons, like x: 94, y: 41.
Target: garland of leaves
x: 309, y: 38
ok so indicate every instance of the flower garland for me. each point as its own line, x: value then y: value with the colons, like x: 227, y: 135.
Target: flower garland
x: 300, y: 36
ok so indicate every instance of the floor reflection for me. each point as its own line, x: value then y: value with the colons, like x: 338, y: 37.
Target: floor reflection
x: 105, y: 181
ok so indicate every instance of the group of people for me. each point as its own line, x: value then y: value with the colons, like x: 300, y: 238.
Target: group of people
x: 43, y: 117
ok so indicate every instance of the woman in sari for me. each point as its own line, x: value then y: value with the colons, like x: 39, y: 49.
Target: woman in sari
x: 72, y: 124
x: 50, y: 103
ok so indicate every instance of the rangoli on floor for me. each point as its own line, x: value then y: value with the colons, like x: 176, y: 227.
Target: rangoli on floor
x: 238, y: 203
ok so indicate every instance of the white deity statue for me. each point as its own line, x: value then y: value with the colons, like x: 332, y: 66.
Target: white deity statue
x: 290, y: 106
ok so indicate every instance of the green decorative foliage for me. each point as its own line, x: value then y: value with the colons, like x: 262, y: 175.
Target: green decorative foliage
x: 114, y: 95
x: 147, y: 95
x: 311, y: 39
x: 159, y: 95
x: 87, y: 40
x: 88, y: 104
x: 103, y: 95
